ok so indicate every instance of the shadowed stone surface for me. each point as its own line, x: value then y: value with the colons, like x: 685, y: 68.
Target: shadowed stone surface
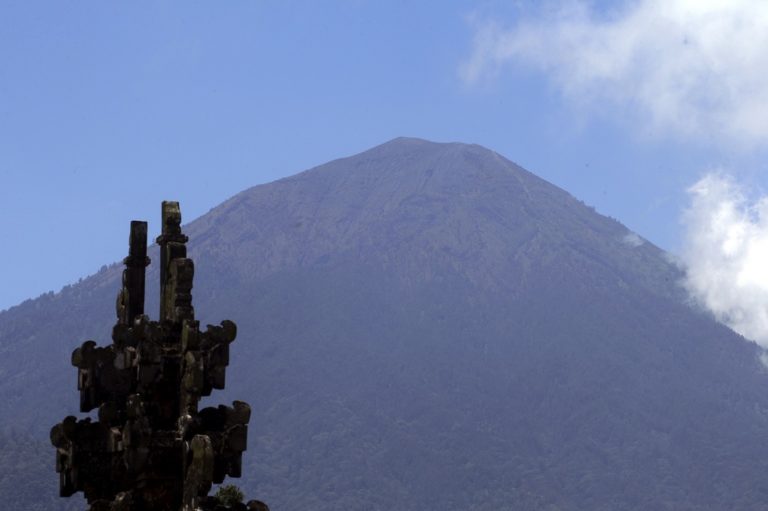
x: 152, y: 448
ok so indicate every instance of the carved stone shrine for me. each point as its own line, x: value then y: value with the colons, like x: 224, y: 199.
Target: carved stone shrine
x: 151, y: 448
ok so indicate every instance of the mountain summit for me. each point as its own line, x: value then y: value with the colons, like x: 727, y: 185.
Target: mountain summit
x: 429, y: 326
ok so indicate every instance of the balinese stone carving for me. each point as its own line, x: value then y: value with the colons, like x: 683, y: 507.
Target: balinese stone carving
x: 151, y: 448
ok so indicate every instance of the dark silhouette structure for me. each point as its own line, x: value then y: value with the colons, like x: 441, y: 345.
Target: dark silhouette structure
x: 151, y: 449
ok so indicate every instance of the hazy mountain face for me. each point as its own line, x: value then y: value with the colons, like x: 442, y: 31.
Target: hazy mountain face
x: 429, y: 326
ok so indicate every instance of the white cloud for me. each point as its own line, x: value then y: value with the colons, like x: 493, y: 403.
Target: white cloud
x: 726, y: 255
x: 633, y: 240
x: 689, y: 67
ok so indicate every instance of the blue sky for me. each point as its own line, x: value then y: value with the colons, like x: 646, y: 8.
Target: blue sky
x: 107, y: 108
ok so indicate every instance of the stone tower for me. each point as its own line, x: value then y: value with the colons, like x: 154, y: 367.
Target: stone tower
x: 152, y: 448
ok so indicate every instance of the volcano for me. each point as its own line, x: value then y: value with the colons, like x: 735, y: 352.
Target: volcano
x: 428, y: 326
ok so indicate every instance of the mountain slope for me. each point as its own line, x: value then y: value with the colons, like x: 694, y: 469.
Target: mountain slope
x: 428, y: 326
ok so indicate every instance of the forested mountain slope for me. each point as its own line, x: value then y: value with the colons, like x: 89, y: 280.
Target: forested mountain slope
x: 428, y: 326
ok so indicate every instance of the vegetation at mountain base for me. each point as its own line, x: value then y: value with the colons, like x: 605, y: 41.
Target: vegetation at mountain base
x: 229, y: 495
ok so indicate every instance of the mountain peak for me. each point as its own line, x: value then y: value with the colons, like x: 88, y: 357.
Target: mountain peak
x: 412, y: 144
x: 459, y: 206
x: 412, y: 161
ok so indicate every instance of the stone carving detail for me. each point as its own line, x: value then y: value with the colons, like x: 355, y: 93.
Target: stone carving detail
x: 151, y: 447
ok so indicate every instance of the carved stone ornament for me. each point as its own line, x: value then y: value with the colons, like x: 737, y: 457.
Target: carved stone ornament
x: 151, y: 448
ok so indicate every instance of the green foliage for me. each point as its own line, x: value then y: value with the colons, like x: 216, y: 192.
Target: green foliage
x: 229, y: 495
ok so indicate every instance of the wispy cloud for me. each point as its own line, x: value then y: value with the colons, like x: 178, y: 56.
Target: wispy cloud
x: 726, y: 254
x: 687, y: 67
x: 633, y: 240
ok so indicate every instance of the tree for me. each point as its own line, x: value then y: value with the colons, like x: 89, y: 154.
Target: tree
x: 229, y: 495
